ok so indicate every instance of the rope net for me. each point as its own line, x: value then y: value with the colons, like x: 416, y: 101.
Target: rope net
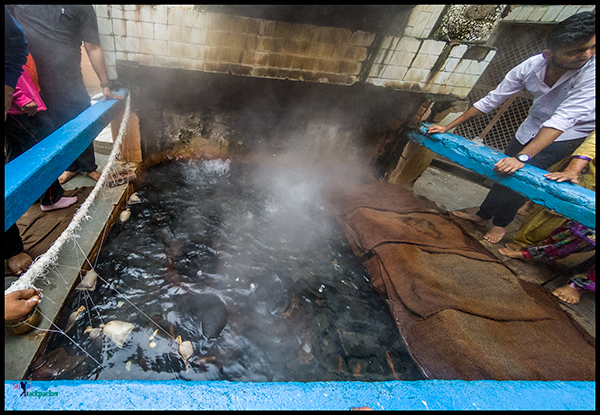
x: 39, y: 267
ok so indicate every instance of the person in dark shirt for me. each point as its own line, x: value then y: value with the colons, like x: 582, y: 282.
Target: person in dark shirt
x: 15, y: 56
x: 55, y: 34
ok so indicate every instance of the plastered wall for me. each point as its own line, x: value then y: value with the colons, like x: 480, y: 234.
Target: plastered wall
x: 185, y: 37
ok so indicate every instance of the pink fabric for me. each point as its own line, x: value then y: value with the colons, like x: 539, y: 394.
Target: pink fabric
x: 25, y: 92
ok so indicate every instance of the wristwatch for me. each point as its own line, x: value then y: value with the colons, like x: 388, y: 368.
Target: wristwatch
x: 523, y: 158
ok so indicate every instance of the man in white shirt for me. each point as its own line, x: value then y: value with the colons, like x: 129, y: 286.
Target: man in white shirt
x: 562, y: 80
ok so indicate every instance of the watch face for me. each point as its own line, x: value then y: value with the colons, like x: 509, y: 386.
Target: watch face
x: 523, y: 158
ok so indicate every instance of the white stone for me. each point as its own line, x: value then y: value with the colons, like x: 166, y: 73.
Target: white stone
x: 424, y: 61
x: 442, y: 78
x: 458, y: 51
x: 435, y: 14
x: 198, y: 36
x: 567, y: 12
x: 377, y: 70
x: 525, y: 12
x: 432, y: 47
x: 174, y: 33
x: 157, y: 47
x: 408, y: 44
x: 147, y: 30
x: 108, y: 43
x: 472, y: 81
x: 476, y: 68
x: 160, y: 31
x: 132, y: 44
x: 552, y: 13
x: 513, y: 13
x: 142, y: 59
x: 101, y: 10
x: 462, y: 66
x: 395, y: 72
x: 132, y: 28
x: 416, y: 75
x: 119, y: 27
x: 400, y: 58
x: 104, y: 26
x: 421, y: 21
x: 451, y: 64
x: 120, y: 43
x: 537, y: 14
x: 490, y: 56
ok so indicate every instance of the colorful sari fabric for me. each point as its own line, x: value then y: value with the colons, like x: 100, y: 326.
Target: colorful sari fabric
x: 569, y: 238
x: 584, y: 282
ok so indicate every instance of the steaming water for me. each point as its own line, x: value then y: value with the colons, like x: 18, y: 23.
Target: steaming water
x: 299, y: 304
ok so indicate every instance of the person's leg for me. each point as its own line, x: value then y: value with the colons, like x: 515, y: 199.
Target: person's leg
x: 60, y: 114
x: 504, y: 203
x: 53, y: 198
x: 511, y: 201
x: 17, y: 260
x: 577, y: 285
x: 493, y: 201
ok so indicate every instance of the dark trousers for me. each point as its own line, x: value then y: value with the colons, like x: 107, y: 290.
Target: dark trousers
x: 61, y: 113
x: 13, y: 244
x: 21, y: 132
x: 501, y: 204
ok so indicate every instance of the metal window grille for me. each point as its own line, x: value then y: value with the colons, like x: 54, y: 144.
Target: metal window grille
x: 514, y: 43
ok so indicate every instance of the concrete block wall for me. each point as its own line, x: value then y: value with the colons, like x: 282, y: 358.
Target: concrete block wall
x: 182, y: 36
x: 545, y: 13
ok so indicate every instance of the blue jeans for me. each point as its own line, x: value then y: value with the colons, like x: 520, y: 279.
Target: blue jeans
x: 501, y: 204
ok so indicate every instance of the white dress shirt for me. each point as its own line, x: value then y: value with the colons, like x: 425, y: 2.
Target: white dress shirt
x: 569, y: 106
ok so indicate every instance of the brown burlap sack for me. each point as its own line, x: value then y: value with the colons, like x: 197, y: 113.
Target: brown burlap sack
x: 48, y: 225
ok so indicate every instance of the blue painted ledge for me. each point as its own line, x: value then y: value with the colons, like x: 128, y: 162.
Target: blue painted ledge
x: 570, y: 200
x: 30, y: 174
x: 223, y: 395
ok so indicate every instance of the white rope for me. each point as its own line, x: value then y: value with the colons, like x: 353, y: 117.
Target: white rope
x: 50, y: 258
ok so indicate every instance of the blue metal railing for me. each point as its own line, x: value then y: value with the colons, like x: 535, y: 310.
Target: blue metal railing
x: 30, y: 174
x: 567, y: 199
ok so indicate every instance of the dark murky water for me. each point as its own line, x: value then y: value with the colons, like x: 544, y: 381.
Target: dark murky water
x: 299, y: 306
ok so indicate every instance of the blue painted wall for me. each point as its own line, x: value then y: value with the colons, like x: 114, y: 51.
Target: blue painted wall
x: 222, y: 395
x: 570, y: 200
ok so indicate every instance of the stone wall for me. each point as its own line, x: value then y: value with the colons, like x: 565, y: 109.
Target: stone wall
x: 186, y: 37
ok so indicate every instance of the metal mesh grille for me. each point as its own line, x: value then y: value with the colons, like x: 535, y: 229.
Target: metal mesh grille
x: 515, y: 43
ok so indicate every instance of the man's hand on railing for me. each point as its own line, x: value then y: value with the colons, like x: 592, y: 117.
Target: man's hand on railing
x: 108, y: 95
x: 508, y: 165
x: 436, y: 129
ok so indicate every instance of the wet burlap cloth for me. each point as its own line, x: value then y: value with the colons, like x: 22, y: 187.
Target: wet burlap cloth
x: 461, y: 313
x: 40, y: 229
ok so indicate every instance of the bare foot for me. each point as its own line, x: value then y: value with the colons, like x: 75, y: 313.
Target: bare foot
x: 94, y: 175
x: 66, y: 176
x: 495, y: 234
x: 568, y: 294
x: 512, y: 253
x: 526, y: 208
x: 471, y: 217
x: 62, y: 203
x: 19, y: 263
x: 513, y: 246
